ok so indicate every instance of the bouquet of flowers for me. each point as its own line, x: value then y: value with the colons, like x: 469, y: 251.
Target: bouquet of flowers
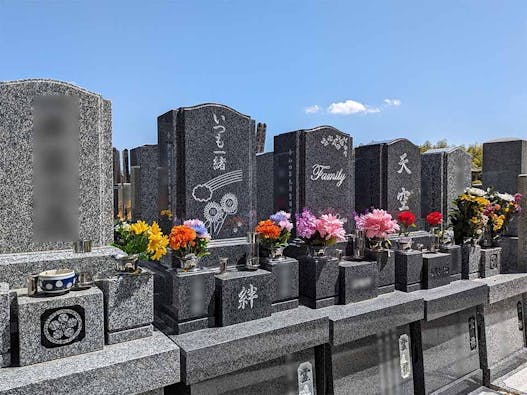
x: 321, y: 231
x: 189, y: 242
x: 467, y: 216
x: 141, y: 240
x: 377, y: 225
x: 501, y: 211
x: 406, y: 220
x: 275, y: 231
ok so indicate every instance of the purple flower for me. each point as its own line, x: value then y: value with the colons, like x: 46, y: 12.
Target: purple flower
x: 306, y: 224
x: 198, y: 226
x: 281, y: 218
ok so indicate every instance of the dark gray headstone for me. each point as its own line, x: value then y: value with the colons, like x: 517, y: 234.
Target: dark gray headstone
x: 503, y: 161
x: 77, y: 122
x: 314, y: 168
x: 436, y: 270
x: 318, y: 279
x: 388, y: 176
x: 490, y: 261
x: 408, y: 270
x: 445, y: 173
x: 261, y: 130
x: 208, y: 169
x: 116, y: 166
x: 144, y: 183
x: 126, y: 166
x: 264, y: 185
x: 358, y: 281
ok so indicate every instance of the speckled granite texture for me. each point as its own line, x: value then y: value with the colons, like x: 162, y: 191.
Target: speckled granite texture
x: 357, y: 320
x: 451, y: 298
x: 95, y: 169
x: 31, y: 314
x: 436, y: 270
x: 125, y: 368
x: 470, y: 261
x: 145, y: 183
x: 14, y: 268
x: 357, y: 281
x: 215, y: 352
x: 5, y: 327
x: 503, y: 286
x: 284, y: 283
x: 129, y: 334
x: 128, y: 301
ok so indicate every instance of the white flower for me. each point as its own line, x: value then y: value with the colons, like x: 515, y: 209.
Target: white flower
x: 505, y: 196
x: 475, y: 191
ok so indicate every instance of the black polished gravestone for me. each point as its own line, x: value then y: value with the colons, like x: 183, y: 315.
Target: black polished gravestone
x: 314, y: 168
x: 388, y: 176
x: 208, y: 171
x: 445, y: 173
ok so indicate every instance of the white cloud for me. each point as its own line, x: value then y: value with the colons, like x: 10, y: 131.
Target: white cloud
x: 392, y: 102
x: 312, y: 109
x: 350, y: 107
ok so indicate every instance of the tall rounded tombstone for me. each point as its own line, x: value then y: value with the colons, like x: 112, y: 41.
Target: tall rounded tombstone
x: 313, y: 168
x: 55, y: 166
x: 207, y: 171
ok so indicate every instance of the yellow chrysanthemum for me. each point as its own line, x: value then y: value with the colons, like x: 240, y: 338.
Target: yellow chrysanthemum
x: 155, y: 229
x: 475, y: 220
x: 166, y: 213
x: 157, y: 245
x: 139, y: 227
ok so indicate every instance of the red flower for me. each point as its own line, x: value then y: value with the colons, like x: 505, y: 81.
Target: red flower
x: 406, y: 218
x: 434, y: 218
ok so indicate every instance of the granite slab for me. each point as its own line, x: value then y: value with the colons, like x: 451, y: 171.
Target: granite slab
x: 14, y: 268
x: 126, y: 335
x: 284, y: 283
x: 510, y: 375
x: 215, y: 352
x: 357, y: 320
x: 5, y: 326
x: 285, y: 305
x: 358, y: 281
x: 451, y: 298
x: 490, y: 261
x: 503, y: 286
x: 125, y: 368
x: 436, y: 269
x: 455, y: 253
x: 408, y: 268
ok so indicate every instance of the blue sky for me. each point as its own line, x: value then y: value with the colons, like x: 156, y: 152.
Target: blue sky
x: 375, y: 69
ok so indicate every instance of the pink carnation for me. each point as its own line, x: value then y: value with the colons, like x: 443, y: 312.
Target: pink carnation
x: 329, y: 226
x: 377, y: 224
x: 306, y: 224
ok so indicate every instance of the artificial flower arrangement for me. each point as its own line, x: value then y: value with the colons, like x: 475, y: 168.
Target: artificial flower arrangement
x: 274, y: 233
x: 322, y: 231
x: 500, y: 211
x: 467, y: 216
x: 189, y: 242
x: 406, y: 221
x: 140, y: 241
x: 377, y: 225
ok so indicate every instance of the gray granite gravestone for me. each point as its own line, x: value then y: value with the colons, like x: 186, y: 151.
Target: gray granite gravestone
x: 490, y: 261
x: 5, y: 326
x: 408, y: 270
x: 456, y: 260
x: 284, y: 282
x: 59, y: 326
x: 42, y: 120
x: 242, y: 296
x: 358, y: 280
x: 503, y: 160
x: 386, y: 266
x: 445, y: 173
x: 318, y: 281
x: 144, y: 183
x: 207, y: 171
x: 436, y: 270
x: 522, y: 225
x: 388, y: 176
x: 264, y: 185
x: 313, y: 168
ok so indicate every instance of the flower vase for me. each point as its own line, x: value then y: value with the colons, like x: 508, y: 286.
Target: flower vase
x: 317, y: 251
x: 404, y: 243
x: 434, y: 242
x: 359, y: 245
x: 127, y: 264
x: 376, y: 244
x: 189, y: 263
x: 486, y: 239
x: 277, y: 253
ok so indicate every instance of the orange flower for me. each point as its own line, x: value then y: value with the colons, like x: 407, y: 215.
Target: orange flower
x: 268, y: 229
x: 181, y: 236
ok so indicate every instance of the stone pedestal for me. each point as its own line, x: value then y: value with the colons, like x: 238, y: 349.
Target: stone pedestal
x: 128, y: 306
x: 60, y: 326
x: 408, y: 270
x: 358, y: 281
x: 470, y: 261
x: 386, y: 264
x: 436, y: 270
x: 284, y: 282
x: 456, y: 260
x: 318, y: 281
x: 5, y: 326
x: 509, y: 254
x: 490, y: 261
x: 242, y: 296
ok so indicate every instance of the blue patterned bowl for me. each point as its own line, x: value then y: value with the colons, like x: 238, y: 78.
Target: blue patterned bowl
x: 56, y: 281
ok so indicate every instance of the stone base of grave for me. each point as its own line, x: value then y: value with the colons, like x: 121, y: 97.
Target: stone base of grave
x: 408, y: 270
x: 490, y: 261
x: 358, y: 281
x: 510, y: 374
x: 456, y: 258
x: 273, y: 349
x: 284, y: 282
x: 385, y: 264
x: 436, y: 270
x: 5, y: 325
x: 170, y: 326
x: 128, y: 306
x: 242, y: 296
x: 53, y: 327
x: 14, y: 268
x: 386, y: 289
x: 470, y: 261
x: 363, y: 358
x: 509, y: 254
x: 133, y: 367
x: 318, y: 281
